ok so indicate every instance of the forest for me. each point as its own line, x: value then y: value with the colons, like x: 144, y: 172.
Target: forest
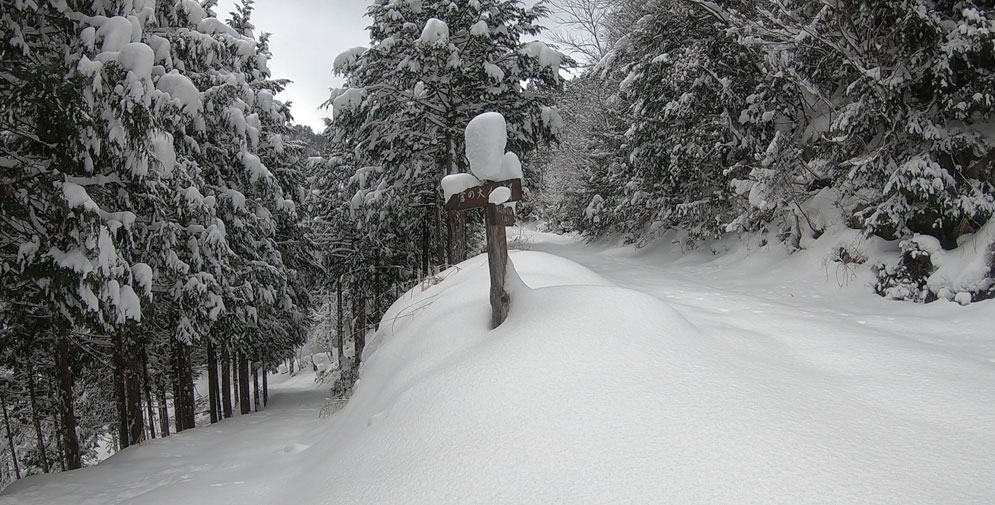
x: 165, y: 225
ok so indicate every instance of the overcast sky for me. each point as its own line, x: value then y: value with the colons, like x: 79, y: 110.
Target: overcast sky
x: 307, y: 36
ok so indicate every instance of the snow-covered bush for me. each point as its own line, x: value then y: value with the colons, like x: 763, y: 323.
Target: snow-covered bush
x: 927, y: 272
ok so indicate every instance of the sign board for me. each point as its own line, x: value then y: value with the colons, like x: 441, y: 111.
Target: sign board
x: 477, y: 197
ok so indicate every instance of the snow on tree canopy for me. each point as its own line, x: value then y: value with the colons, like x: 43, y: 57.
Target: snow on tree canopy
x: 436, y: 32
x: 76, y: 196
x: 480, y: 29
x: 116, y: 32
x: 486, y: 138
x: 195, y: 13
x: 137, y: 58
x: 181, y: 89
x: 162, y: 146
x: 346, y: 59
x: 552, y: 119
x: 256, y: 168
x: 455, y: 184
x: 494, y: 72
x: 549, y: 58
x: 347, y: 100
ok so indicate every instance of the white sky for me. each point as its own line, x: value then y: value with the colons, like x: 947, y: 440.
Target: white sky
x: 307, y: 35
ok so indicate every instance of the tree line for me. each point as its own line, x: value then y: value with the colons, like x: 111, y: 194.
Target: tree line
x: 779, y: 118
x: 152, y: 224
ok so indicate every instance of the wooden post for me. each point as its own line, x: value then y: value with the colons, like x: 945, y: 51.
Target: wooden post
x: 496, y: 217
x: 497, y: 262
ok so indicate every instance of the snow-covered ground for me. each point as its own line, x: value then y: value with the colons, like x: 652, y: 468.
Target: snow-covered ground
x: 720, y: 376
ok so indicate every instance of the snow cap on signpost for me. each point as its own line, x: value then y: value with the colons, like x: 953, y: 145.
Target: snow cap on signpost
x: 486, y: 139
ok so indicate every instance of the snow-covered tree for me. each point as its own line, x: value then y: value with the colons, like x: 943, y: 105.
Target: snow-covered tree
x: 431, y: 67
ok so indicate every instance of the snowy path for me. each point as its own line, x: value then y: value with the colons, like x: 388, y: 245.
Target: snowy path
x: 904, y: 394
x: 770, y: 297
x: 238, y: 461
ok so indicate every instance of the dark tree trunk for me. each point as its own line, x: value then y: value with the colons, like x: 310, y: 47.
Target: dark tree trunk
x: 120, y: 397
x: 440, y: 241
x: 64, y: 373
x: 10, y: 438
x: 265, y: 387
x: 177, y: 387
x: 163, y: 411
x: 341, y: 329
x: 378, y: 293
x: 359, y: 303
x: 426, y: 243
x: 225, y: 383
x: 35, y: 418
x: 212, y: 382
x: 255, y: 386
x: 234, y: 375
x: 133, y: 385
x: 147, y: 383
x: 189, y: 400
x: 243, y: 384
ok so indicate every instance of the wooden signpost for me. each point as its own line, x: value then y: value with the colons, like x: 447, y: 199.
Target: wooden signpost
x: 496, y: 218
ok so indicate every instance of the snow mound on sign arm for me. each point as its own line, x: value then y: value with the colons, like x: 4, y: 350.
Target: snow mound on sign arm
x: 455, y: 184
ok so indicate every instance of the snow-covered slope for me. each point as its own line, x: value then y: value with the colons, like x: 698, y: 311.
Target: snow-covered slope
x: 727, y: 379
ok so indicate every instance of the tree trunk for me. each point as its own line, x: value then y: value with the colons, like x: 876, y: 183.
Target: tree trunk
x: 212, y: 382
x: 133, y: 385
x: 225, y: 383
x: 177, y: 387
x: 440, y: 242
x: 359, y: 331
x: 426, y: 243
x: 64, y: 373
x: 234, y: 375
x: 189, y: 399
x: 265, y: 387
x: 255, y: 386
x: 147, y: 383
x: 243, y: 384
x: 10, y: 438
x: 35, y: 418
x: 163, y: 411
x: 341, y: 328
x: 120, y: 400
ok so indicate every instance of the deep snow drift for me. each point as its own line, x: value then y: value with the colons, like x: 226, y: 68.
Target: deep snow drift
x: 751, y: 384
